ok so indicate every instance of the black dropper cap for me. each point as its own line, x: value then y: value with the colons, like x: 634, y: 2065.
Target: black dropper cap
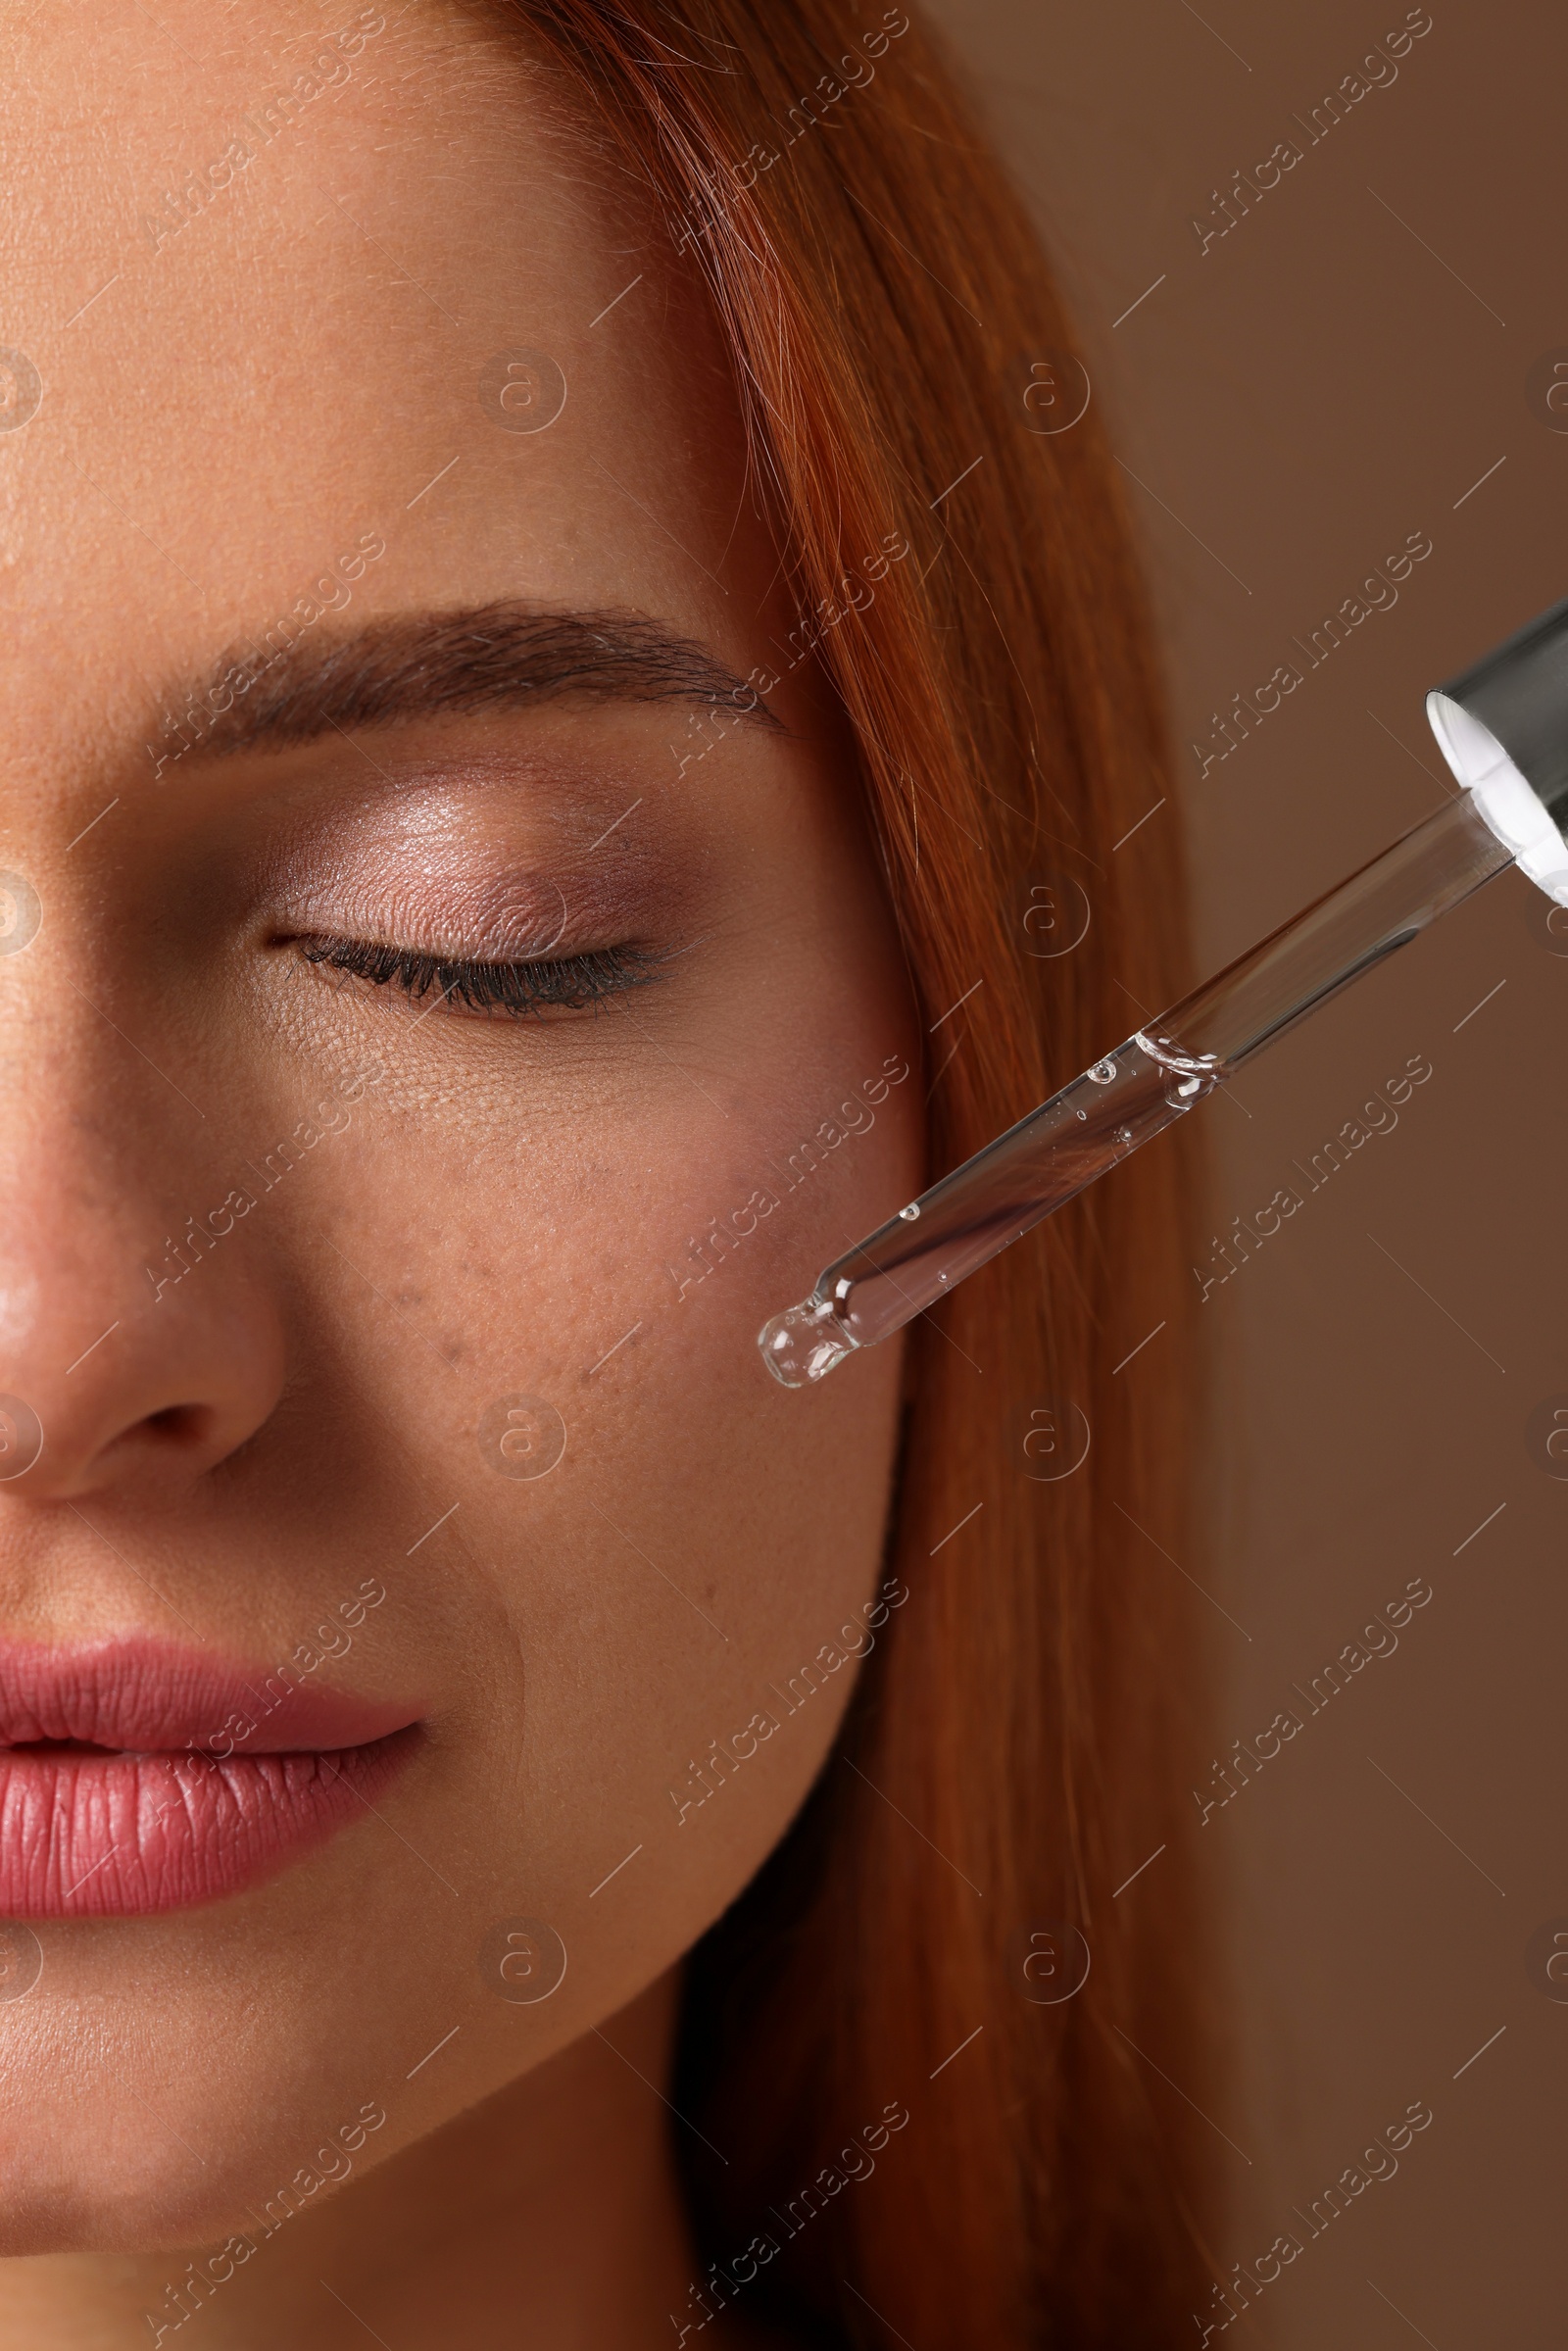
x: 1503, y: 726
x: 1519, y: 693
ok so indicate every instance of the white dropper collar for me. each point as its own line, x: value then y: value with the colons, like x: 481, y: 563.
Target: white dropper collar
x: 1511, y: 807
x: 1503, y: 726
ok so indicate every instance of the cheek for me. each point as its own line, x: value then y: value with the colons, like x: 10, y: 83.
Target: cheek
x: 654, y: 1541
x: 626, y: 1290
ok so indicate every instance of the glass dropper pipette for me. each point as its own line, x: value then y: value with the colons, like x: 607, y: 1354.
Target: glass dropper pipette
x: 1503, y: 726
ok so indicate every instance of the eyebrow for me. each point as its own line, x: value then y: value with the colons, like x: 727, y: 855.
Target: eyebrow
x: 468, y: 662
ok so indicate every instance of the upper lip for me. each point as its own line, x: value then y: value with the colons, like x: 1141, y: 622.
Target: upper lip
x: 151, y: 1696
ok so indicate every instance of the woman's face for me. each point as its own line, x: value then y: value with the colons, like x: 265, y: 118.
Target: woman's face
x: 414, y: 1512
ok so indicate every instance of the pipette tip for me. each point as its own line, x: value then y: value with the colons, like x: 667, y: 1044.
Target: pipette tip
x: 804, y: 1343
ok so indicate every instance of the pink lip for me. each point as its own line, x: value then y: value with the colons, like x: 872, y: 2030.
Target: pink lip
x: 137, y: 1776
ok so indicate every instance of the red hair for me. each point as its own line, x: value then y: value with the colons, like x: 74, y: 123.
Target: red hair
x: 1012, y: 1753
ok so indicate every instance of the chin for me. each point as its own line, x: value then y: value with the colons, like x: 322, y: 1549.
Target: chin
x: 64, y: 2190
x: 76, y: 2181
x: 162, y: 2090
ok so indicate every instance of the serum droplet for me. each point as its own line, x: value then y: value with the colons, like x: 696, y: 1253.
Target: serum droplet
x: 1103, y: 1071
x: 909, y: 1213
x: 804, y: 1343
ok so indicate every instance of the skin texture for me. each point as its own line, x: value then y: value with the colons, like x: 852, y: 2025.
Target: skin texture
x: 245, y: 402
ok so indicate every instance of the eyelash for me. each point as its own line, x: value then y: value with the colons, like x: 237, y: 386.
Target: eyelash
x: 563, y: 983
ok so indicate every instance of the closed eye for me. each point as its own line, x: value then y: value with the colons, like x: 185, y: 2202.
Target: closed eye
x: 577, y: 983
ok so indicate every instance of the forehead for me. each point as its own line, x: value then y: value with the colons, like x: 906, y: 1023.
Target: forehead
x: 267, y: 291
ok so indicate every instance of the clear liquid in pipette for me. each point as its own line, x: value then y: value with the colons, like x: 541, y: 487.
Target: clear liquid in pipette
x: 1102, y: 1116
x: 926, y: 1249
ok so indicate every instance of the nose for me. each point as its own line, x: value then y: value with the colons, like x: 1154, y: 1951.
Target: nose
x: 140, y: 1343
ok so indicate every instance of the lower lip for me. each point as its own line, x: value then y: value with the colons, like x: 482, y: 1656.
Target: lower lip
x: 89, y: 1833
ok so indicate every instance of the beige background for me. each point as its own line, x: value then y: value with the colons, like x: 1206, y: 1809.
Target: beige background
x: 1321, y: 382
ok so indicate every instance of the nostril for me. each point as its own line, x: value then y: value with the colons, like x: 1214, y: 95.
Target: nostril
x: 166, y: 1400
x: 182, y: 1425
